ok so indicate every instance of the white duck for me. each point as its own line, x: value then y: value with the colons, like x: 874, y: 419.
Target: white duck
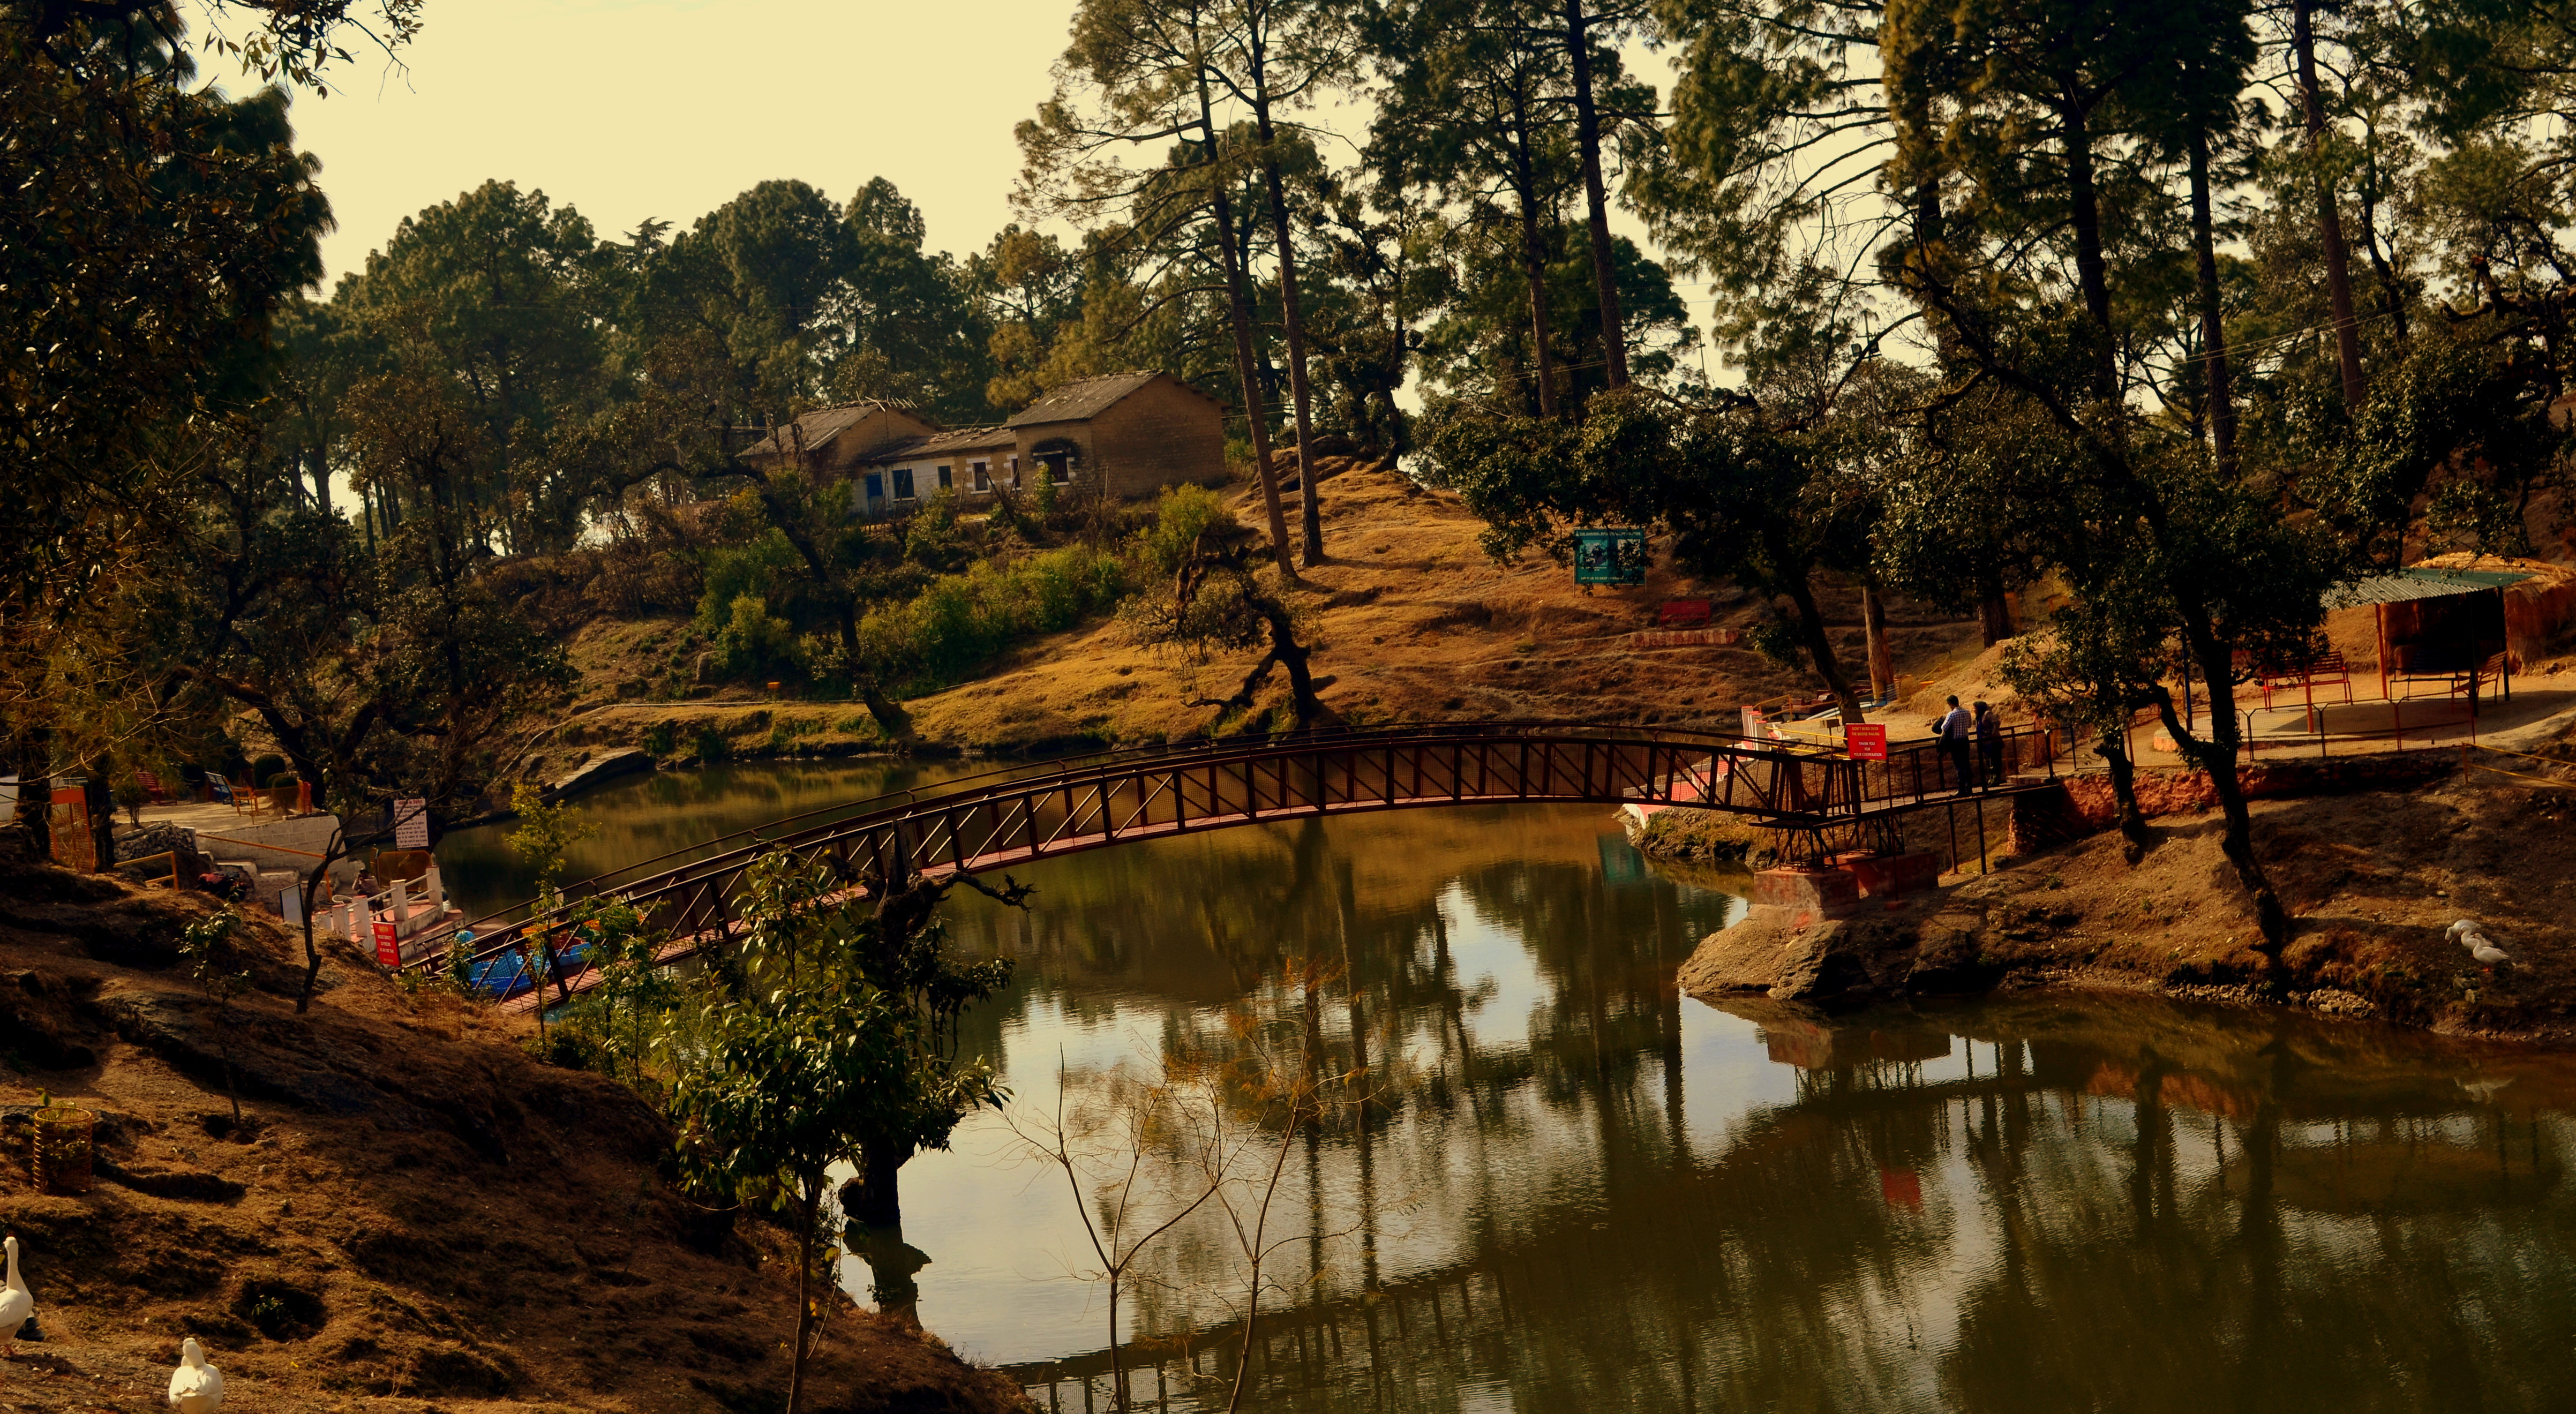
x: 17, y: 1303
x: 2468, y: 935
x: 195, y: 1387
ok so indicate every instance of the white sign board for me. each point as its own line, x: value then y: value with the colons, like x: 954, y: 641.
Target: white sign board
x: 411, y: 824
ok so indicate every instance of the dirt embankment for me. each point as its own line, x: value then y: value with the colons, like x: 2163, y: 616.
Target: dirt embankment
x: 1410, y: 620
x: 416, y: 1215
x: 2373, y: 876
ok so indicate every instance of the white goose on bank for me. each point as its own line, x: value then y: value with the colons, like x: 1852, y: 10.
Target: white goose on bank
x: 17, y: 1303
x: 195, y: 1387
x: 2468, y: 935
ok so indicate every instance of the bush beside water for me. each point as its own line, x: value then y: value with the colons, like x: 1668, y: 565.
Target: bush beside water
x: 961, y: 620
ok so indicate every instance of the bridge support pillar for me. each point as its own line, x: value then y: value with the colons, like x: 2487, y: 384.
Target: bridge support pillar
x: 1882, y: 875
x: 1820, y: 891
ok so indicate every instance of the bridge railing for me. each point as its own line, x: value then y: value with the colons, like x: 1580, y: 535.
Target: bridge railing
x: 1022, y: 813
x: 772, y: 832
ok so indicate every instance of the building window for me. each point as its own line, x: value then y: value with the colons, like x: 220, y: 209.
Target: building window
x: 983, y: 476
x: 1059, y: 469
x: 903, y: 483
x: 1015, y: 471
x: 876, y: 487
x: 944, y: 482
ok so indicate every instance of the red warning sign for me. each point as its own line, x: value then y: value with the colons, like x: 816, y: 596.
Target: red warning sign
x: 388, y: 945
x: 1865, y: 741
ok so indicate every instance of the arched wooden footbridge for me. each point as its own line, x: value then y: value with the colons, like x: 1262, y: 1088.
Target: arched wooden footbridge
x: 1017, y: 815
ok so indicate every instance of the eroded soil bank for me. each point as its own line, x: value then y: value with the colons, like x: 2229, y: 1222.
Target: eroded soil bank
x: 2373, y: 872
x: 416, y: 1215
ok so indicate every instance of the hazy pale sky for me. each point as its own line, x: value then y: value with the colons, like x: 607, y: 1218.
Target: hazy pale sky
x: 630, y: 109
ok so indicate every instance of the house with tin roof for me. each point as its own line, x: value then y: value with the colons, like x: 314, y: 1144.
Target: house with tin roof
x: 1121, y: 434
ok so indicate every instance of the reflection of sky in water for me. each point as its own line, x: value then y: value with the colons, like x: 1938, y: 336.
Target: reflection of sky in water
x: 999, y: 1229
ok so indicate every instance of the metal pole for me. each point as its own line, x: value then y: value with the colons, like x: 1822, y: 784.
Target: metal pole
x: 1982, y: 866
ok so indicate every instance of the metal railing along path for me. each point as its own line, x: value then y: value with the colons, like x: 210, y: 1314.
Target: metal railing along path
x: 1017, y: 815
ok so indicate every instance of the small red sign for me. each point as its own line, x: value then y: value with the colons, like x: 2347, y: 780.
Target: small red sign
x: 388, y: 945
x: 1865, y: 741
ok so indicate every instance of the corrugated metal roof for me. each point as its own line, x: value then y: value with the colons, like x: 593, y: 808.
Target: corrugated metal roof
x: 1082, y: 398
x: 2416, y: 583
x: 941, y: 444
x: 823, y: 424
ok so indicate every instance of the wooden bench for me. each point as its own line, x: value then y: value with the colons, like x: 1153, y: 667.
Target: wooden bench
x: 1682, y: 613
x: 2324, y: 670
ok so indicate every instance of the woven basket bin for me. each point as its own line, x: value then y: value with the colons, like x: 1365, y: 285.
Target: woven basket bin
x: 60, y: 1162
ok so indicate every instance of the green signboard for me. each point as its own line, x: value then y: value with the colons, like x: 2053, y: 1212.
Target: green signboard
x: 1610, y: 556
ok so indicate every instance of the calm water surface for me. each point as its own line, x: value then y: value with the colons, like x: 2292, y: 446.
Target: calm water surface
x: 1589, y: 1193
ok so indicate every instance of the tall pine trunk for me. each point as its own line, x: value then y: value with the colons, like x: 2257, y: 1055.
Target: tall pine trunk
x: 2192, y: 611
x: 1882, y: 660
x: 1587, y: 141
x: 2303, y: 39
x: 2218, y: 757
x: 2213, y: 329
x: 1819, y: 643
x: 1238, y: 299
x: 1292, y: 312
x: 1533, y: 259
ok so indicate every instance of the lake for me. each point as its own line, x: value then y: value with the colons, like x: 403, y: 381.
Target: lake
x: 1576, y: 1189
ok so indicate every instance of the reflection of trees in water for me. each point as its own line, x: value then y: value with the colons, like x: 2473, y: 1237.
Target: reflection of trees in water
x: 2027, y: 1204
x: 2015, y: 1207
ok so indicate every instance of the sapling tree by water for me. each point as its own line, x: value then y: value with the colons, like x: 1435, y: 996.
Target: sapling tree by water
x: 811, y: 1061
x: 201, y: 946
x: 545, y: 832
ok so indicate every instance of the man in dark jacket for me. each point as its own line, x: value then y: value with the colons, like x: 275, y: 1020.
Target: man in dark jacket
x: 1954, y: 730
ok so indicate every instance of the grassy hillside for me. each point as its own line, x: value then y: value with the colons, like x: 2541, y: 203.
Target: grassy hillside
x: 1410, y: 619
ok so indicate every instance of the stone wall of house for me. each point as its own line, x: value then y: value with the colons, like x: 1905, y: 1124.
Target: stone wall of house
x: 1160, y: 435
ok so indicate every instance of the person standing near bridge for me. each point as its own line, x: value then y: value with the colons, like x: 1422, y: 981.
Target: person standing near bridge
x: 1990, y: 746
x: 1954, y: 730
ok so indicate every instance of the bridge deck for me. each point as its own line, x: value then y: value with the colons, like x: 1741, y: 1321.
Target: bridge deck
x: 1016, y: 817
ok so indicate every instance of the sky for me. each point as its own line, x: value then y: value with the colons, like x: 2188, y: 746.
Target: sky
x: 629, y: 109
x: 636, y: 109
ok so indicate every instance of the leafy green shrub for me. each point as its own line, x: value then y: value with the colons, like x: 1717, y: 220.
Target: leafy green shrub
x: 736, y: 570
x: 283, y: 778
x: 962, y: 619
x: 267, y: 766
x: 1181, y: 515
x: 569, y: 1045
x: 711, y: 745
x: 931, y: 538
x: 756, y: 643
x: 661, y: 739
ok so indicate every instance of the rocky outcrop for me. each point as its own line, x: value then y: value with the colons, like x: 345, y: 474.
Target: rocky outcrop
x: 1957, y: 941
x: 1791, y: 956
x: 604, y: 766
